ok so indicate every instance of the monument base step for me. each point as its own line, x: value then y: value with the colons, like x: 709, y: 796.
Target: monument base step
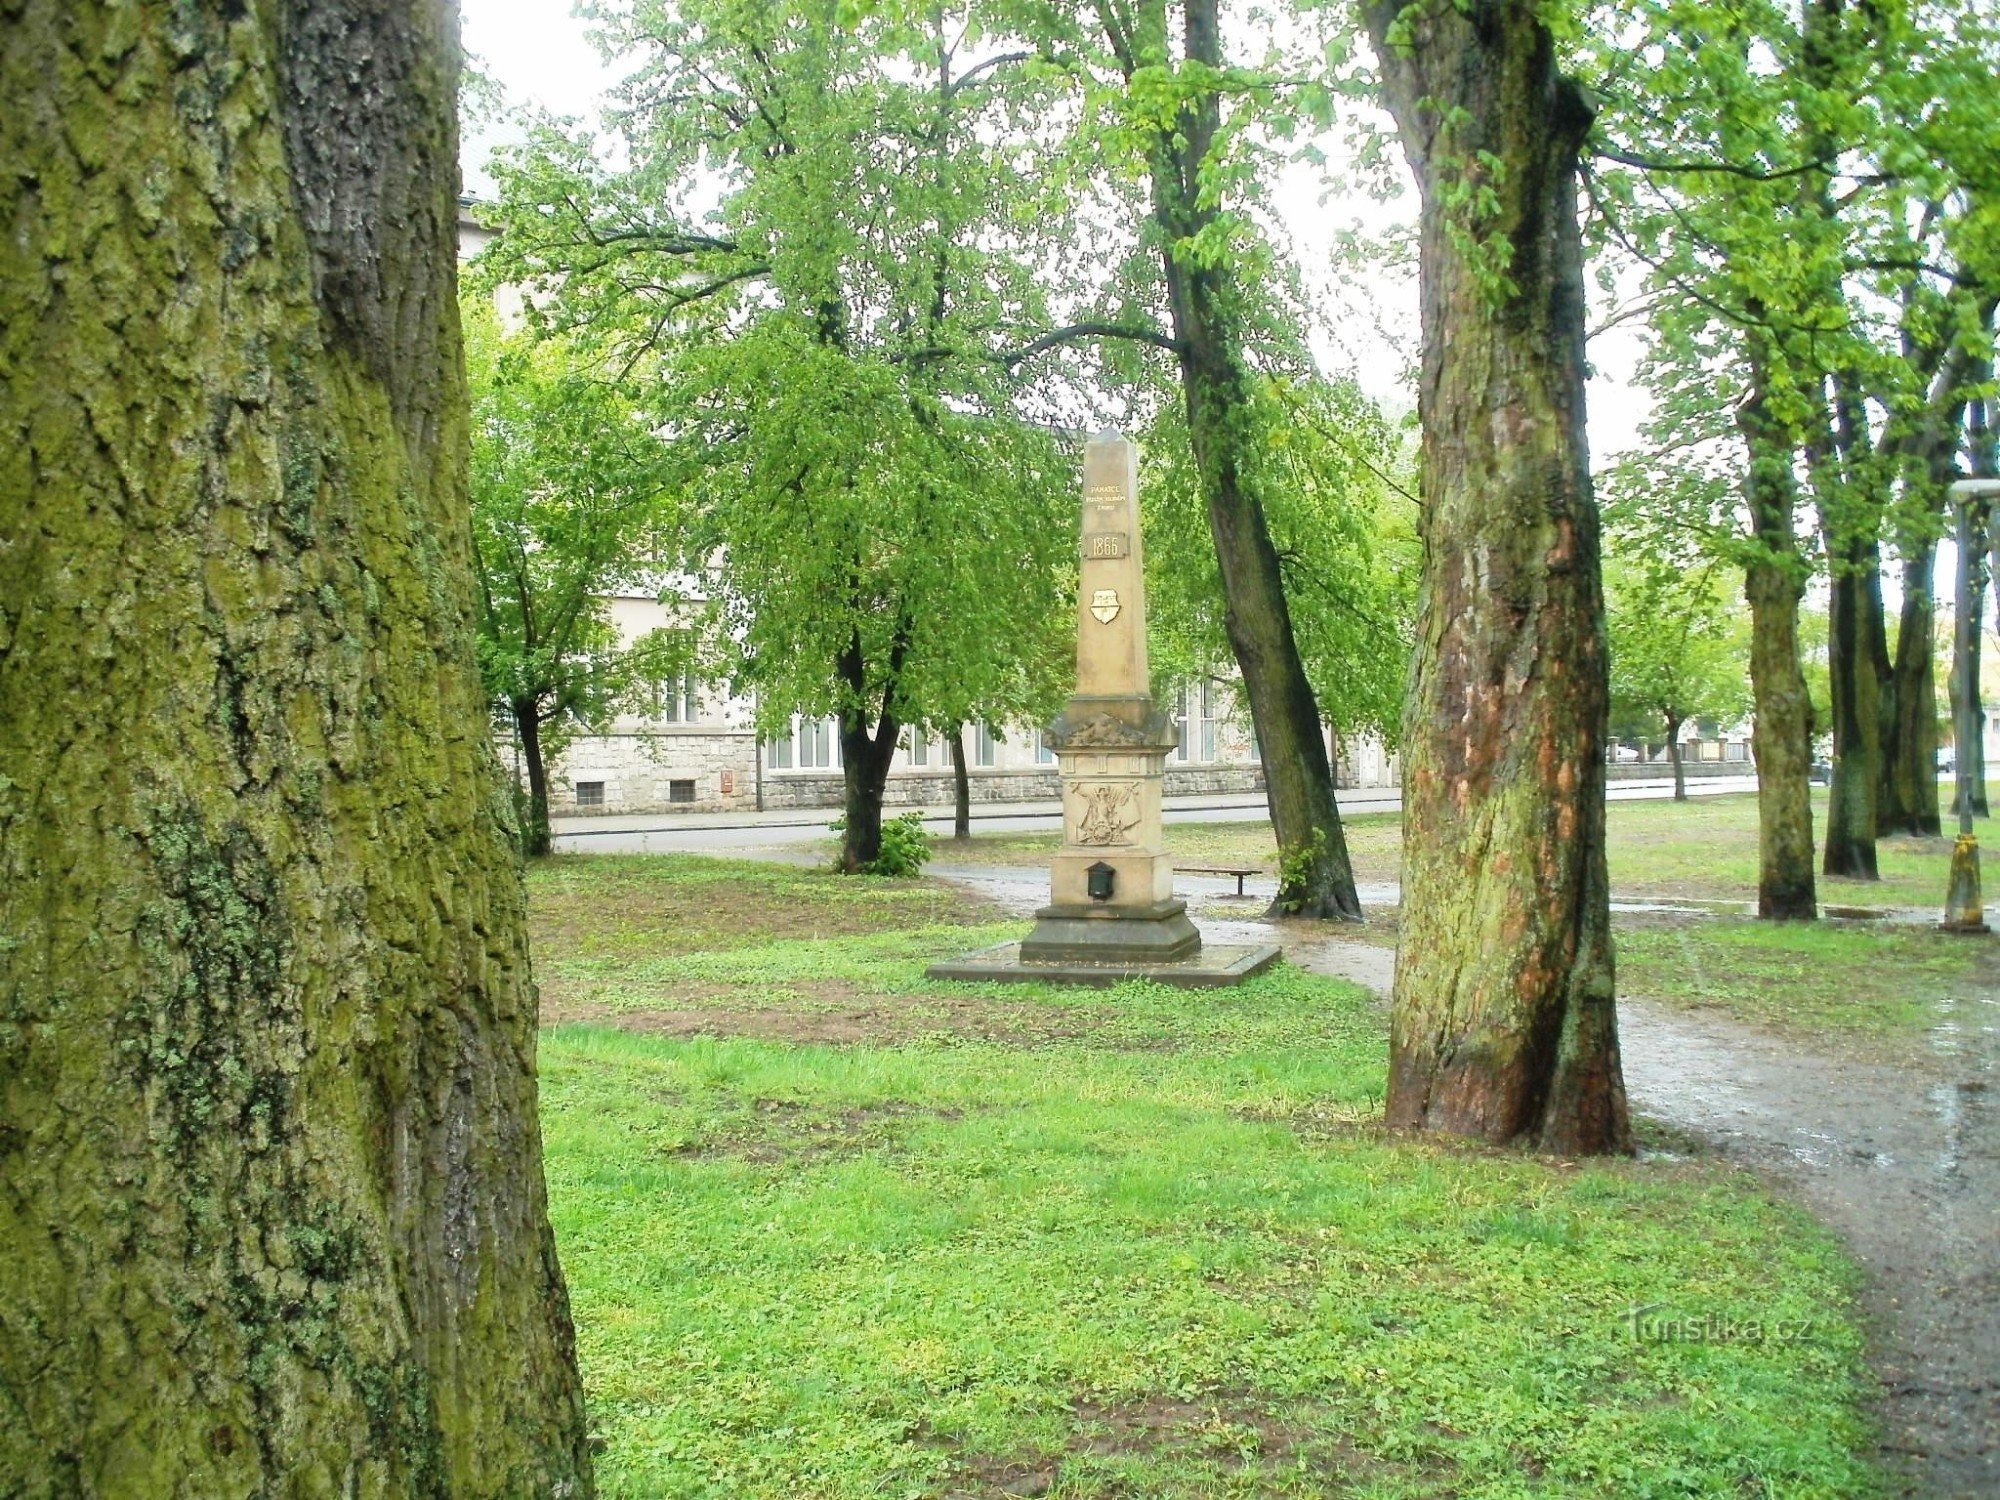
x: 1214, y: 967
x: 1158, y: 932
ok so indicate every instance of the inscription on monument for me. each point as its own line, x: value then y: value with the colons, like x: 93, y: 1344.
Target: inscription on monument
x: 1102, y: 544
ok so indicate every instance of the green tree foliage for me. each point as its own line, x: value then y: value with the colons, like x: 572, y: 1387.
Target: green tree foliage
x: 569, y: 506
x: 822, y: 278
x: 1679, y: 652
x: 1804, y: 194
x: 1343, y: 522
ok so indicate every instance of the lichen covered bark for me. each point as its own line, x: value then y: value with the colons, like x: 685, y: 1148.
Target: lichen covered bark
x: 1503, y: 1024
x: 274, y: 1220
x: 1774, y: 581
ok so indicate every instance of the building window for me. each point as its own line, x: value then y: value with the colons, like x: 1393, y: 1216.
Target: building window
x: 680, y: 791
x: 1044, y: 756
x: 816, y: 743
x: 1208, y: 720
x: 982, y: 748
x: 779, y: 756
x: 1737, y: 750
x: 920, y: 749
x: 1180, y: 725
x: 677, y: 700
x: 590, y: 794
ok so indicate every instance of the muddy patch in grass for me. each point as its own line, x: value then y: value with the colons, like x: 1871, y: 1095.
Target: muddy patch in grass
x: 776, y: 1131
x: 1129, y: 1448
x: 837, y: 1013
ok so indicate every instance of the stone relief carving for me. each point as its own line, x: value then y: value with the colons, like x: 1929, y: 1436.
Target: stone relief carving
x: 1108, y: 812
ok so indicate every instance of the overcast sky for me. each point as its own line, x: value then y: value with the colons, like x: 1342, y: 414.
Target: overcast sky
x: 538, y: 52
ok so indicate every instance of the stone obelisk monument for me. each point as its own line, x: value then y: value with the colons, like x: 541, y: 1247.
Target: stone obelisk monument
x: 1111, y: 892
x: 1112, y: 913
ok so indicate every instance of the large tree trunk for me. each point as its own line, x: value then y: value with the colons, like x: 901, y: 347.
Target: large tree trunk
x: 1854, y: 615
x: 1503, y: 1023
x: 1316, y: 878
x: 274, y: 1220
x: 1910, y: 783
x: 1774, y: 581
x: 535, y: 815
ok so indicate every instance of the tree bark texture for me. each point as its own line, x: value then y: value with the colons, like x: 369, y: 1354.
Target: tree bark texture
x: 1968, y: 715
x: 1316, y: 877
x: 1909, y: 793
x: 535, y: 816
x: 1774, y: 581
x: 865, y: 758
x: 274, y: 1220
x: 1674, y: 757
x: 1503, y: 1024
x: 961, y: 787
x: 1854, y: 618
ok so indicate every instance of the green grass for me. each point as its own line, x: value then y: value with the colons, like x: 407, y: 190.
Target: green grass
x: 1134, y: 1242
x: 1866, y: 983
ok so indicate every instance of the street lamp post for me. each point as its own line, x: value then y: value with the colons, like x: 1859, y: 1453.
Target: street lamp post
x: 1963, y: 911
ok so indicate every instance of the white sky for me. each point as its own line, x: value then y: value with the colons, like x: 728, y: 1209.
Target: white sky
x: 538, y: 51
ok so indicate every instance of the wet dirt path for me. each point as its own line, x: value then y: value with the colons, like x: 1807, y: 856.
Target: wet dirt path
x: 1901, y: 1160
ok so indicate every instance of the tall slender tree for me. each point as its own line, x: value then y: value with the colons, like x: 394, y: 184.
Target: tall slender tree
x: 1503, y: 1023
x: 274, y: 1221
x: 1175, y: 76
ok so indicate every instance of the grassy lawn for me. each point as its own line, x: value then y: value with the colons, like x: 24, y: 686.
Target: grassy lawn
x: 833, y: 1230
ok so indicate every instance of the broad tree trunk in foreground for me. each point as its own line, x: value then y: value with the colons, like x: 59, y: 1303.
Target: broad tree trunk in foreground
x: 1503, y: 1023
x: 1316, y: 878
x: 535, y: 816
x: 1853, y: 622
x: 274, y: 1220
x: 1774, y: 581
x: 1909, y: 793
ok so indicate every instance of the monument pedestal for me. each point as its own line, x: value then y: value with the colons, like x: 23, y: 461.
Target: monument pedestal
x: 1112, y: 913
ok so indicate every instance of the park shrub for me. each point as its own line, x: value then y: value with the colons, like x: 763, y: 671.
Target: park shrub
x: 905, y: 846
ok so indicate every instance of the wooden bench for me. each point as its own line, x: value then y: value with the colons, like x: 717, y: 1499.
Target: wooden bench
x: 1241, y: 872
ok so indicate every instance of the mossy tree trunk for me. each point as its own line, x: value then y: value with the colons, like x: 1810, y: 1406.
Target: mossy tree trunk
x: 1774, y: 581
x: 1503, y: 1024
x: 1909, y: 799
x: 1968, y: 716
x: 1316, y: 877
x: 1853, y: 640
x: 275, y: 1221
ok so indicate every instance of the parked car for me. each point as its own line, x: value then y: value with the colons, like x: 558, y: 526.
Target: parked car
x: 1821, y: 773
